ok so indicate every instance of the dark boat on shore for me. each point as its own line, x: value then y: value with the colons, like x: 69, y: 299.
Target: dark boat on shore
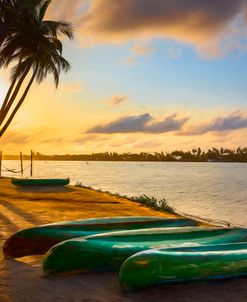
x: 38, y: 240
x: 40, y: 181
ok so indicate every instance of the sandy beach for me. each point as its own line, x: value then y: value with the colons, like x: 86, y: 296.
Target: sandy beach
x: 22, y: 281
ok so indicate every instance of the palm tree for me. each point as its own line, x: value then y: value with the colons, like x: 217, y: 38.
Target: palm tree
x: 12, y: 13
x: 7, y: 18
x: 36, y: 48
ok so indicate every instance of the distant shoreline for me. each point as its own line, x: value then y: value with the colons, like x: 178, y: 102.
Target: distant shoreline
x: 103, y: 160
x: 195, y: 155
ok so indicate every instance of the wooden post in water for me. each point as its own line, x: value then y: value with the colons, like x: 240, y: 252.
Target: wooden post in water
x: 21, y: 163
x: 31, y: 168
x: 1, y: 156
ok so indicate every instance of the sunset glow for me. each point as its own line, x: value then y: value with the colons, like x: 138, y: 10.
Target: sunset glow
x: 146, y: 76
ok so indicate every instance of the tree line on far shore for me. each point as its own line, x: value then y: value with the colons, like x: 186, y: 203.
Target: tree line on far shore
x: 195, y: 155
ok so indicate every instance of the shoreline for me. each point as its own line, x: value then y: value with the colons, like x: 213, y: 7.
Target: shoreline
x: 204, y: 220
x: 131, y: 161
x: 21, y: 279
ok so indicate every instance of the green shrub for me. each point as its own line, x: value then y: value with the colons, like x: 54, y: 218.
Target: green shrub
x: 152, y: 202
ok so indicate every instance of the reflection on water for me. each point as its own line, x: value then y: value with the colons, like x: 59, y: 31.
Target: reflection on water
x: 213, y: 190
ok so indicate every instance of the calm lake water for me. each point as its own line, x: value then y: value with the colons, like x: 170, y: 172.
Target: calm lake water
x: 212, y: 190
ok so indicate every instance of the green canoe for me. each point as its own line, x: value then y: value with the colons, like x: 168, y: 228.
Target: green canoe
x: 38, y: 240
x: 40, y: 182
x: 107, y: 252
x: 163, y: 266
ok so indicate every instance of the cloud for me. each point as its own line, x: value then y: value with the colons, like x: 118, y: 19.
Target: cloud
x: 64, y: 10
x: 53, y: 140
x: 141, y: 123
x: 169, y: 124
x: 233, y: 121
x: 117, y: 99
x: 139, y: 50
x: 123, y: 125
x: 142, y: 49
x: 16, y: 138
x: 208, y: 25
x: 89, y: 138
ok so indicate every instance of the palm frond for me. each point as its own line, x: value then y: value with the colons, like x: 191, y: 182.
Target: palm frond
x: 55, y: 71
x: 57, y: 44
x: 18, y: 70
x: 43, y: 9
x: 57, y: 28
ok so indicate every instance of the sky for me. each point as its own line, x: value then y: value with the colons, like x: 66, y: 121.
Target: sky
x: 146, y: 76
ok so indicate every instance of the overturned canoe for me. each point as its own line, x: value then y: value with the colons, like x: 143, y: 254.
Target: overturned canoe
x: 38, y: 240
x: 154, y: 267
x: 107, y: 252
x: 40, y: 181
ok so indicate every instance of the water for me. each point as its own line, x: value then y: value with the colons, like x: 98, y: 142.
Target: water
x: 212, y: 190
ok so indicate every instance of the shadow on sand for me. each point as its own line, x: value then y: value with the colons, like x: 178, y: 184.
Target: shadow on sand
x: 23, y: 281
x: 44, y: 189
x: 21, y: 213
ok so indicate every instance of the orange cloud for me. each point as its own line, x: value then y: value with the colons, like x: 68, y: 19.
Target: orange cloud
x: 65, y: 10
x: 139, y: 50
x: 208, y: 25
x: 16, y: 138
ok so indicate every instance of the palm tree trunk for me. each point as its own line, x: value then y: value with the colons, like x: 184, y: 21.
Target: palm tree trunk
x: 9, y: 103
x: 9, y: 92
x: 7, y: 97
x: 6, y: 125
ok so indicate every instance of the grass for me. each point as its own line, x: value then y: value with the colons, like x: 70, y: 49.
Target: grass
x: 151, y: 202
x: 154, y: 203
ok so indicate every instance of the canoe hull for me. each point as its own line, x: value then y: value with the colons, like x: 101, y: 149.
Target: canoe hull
x: 155, y: 267
x: 37, y: 241
x: 40, y: 182
x: 107, y: 252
